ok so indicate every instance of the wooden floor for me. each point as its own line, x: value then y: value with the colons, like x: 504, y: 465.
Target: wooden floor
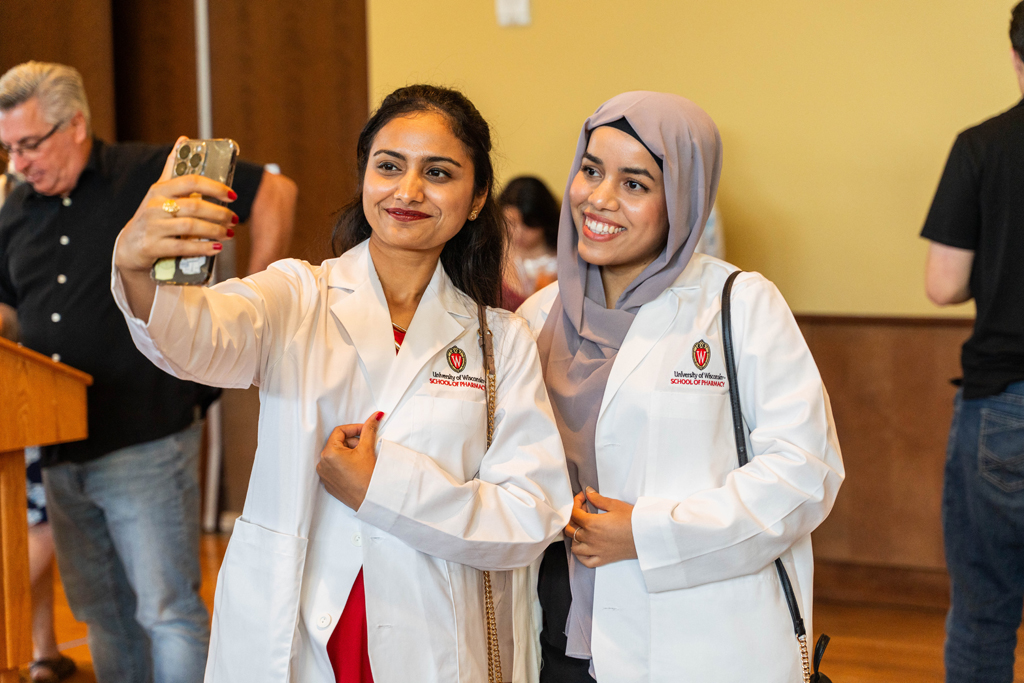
x: 869, y: 644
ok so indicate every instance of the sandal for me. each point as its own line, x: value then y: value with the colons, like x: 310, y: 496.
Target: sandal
x: 51, y: 670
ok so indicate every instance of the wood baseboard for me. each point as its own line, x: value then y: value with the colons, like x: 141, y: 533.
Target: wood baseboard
x: 881, y: 585
x: 884, y: 321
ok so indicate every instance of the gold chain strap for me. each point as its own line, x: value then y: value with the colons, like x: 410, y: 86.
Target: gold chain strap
x: 805, y: 659
x: 493, y: 651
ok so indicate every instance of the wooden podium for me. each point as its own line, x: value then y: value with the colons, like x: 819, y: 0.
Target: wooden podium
x: 42, y: 402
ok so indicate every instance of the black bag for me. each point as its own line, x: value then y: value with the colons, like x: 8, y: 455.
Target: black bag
x: 741, y: 452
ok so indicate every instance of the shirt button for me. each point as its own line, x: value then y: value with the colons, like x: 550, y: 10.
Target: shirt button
x: 66, y: 201
x: 64, y: 240
x: 62, y: 278
x: 56, y: 357
x: 323, y: 622
x: 357, y: 540
x: 55, y: 317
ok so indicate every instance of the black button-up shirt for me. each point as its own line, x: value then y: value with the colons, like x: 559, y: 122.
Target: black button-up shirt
x: 55, y: 261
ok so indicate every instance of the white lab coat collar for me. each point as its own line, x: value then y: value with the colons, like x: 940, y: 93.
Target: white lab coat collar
x: 358, y: 303
x: 652, y: 322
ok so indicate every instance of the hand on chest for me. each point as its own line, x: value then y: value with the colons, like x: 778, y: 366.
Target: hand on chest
x: 434, y: 404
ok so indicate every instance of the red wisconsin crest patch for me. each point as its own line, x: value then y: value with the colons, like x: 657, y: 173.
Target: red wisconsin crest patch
x: 456, y: 359
x: 701, y: 354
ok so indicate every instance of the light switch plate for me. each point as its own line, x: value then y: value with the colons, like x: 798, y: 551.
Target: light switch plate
x: 513, y: 12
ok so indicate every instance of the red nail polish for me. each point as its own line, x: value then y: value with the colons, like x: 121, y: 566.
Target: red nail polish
x: 231, y: 233
x: 232, y: 195
x: 234, y: 220
x: 379, y: 416
x: 218, y: 246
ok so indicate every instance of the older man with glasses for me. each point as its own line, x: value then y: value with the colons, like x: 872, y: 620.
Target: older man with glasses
x: 124, y: 503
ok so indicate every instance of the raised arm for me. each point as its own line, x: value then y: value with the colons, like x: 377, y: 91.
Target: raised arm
x: 166, y: 214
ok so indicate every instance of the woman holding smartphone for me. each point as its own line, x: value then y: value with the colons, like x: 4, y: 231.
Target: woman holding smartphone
x: 672, y: 544
x: 358, y: 553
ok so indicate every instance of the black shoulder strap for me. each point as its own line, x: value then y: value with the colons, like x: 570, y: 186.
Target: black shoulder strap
x: 730, y: 369
x: 741, y: 441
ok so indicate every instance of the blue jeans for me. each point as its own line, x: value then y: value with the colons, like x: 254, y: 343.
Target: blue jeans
x: 127, y: 537
x: 983, y: 523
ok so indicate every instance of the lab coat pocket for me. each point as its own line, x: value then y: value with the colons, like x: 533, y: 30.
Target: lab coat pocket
x: 256, y: 607
x: 691, y: 440
x: 458, y: 429
x: 734, y: 630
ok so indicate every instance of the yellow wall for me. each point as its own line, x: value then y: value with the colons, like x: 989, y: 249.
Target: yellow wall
x: 836, y: 115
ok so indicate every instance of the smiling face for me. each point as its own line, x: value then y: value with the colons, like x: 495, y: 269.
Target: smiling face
x: 53, y: 167
x: 618, y: 203
x: 418, y: 187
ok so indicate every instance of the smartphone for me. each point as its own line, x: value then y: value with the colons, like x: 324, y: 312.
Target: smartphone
x: 214, y: 159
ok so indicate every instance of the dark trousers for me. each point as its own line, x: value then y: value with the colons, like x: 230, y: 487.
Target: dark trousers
x: 555, y: 599
x: 983, y: 524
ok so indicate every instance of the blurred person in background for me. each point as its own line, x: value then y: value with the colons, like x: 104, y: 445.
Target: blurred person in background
x: 712, y: 242
x: 531, y: 213
x: 975, y: 229
x: 123, y: 504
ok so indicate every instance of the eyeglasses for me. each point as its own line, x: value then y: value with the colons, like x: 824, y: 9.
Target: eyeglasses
x: 30, y: 147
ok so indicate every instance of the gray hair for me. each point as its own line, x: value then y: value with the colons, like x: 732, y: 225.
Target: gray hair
x: 59, y: 88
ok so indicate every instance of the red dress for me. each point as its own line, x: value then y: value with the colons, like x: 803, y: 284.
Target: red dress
x: 348, y: 647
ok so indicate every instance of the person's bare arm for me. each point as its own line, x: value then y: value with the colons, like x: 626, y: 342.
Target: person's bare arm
x: 8, y: 323
x: 948, y: 274
x: 272, y: 220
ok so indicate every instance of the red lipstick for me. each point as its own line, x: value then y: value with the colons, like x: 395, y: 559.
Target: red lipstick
x: 407, y: 215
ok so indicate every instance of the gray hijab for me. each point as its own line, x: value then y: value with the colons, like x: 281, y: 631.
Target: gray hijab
x: 581, y: 336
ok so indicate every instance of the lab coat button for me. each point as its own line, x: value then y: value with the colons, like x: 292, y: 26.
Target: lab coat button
x: 357, y: 540
x: 323, y: 622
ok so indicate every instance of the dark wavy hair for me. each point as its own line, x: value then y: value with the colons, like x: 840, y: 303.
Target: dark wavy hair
x: 474, y: 257
x: 1017, y: 29
x: 536, y: 204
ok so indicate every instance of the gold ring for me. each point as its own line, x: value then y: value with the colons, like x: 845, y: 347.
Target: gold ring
x: 171, y: 207
x: 574, y: 535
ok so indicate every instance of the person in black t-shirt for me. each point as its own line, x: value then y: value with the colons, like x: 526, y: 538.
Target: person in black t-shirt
x: 123, y: 504
x: 976, y: 232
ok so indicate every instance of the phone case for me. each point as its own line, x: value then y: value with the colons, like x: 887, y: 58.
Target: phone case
x: 214, y: 159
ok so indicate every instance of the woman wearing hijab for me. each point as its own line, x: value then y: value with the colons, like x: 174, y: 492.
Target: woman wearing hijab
x: 357, y: 556
x: 672, y: 543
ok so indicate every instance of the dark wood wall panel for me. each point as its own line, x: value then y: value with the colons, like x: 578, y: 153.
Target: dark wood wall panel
x: 889, y: 385
x: 155, y: 69
x: 290, y: 85
x: 73, y: 32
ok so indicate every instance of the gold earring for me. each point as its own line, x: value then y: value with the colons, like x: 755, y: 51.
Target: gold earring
x: 472, y: 216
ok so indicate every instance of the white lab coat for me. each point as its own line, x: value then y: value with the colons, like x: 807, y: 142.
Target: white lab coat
x: 703, y: 601
x: 318, y: 343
